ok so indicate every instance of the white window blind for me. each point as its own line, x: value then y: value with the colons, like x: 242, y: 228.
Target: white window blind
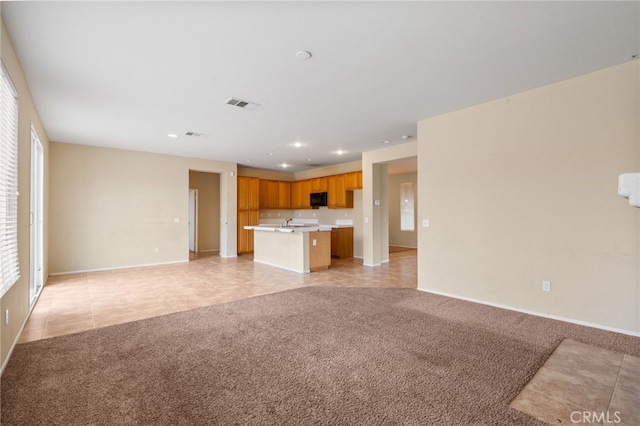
x: 406, y: 207
x: 9, y: 266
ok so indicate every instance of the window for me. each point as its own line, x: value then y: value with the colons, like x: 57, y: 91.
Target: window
x: 9, y: 267
x: 406, y: 207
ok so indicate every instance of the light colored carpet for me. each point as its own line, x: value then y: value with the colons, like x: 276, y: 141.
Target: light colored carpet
x: 316, y: 355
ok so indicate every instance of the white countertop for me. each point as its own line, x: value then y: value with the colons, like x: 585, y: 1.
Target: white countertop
x: 290, y: 228
x: 299, y: 225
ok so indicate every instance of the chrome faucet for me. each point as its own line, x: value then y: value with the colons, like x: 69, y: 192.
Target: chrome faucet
x: 286, y: 222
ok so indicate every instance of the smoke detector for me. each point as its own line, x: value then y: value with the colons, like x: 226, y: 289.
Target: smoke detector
x: 240, y: 103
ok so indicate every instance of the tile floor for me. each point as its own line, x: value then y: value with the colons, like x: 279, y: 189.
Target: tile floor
x: 78, y: 302
x: 583, y: 384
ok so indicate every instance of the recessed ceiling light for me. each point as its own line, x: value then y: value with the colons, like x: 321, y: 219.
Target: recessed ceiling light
x: 297, y: 144
x: 269, y: 153
x: 303, y: 54
x: 406, y: 136
x: 385, y: 141
x: 172, y: 135
x: 248, y: 161
x: 284, y: 165
x: 308, y: 159
x: 339, y: 152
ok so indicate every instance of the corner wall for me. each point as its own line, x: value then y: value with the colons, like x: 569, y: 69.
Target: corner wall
x: 16, y: 300
x: 524, y: 189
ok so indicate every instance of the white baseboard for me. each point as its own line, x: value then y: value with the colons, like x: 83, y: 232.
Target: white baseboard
x: 228, y: 257
x: 535, y: 313
x: 208, y: 251
x: 115, y: 268
x: 371, y: 264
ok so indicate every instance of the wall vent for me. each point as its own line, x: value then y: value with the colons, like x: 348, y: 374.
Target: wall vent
x: 196, y: 135
x: 240, y: 103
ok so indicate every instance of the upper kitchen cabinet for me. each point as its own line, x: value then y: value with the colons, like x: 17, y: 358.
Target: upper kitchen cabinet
x: 305, y: 191
x: 320, y: 184
x: 338, y: 197
x: 275, y: 194
x: 248, y: 193
x: 284, y: 195
x: 296, y: 195
x: 353, y: 180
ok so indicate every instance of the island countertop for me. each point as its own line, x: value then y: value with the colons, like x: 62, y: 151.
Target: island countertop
x: 290, y: 228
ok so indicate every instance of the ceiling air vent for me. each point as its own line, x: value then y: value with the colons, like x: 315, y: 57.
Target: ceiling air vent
x: 196, y: 135
x: 242, y: 103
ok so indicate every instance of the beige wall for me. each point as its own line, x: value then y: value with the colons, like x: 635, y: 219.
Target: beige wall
x: 112, y: 208
x: 396, y: 236
x: 16, y: 300
x: 524, y: 189
x: 337, y: 169
x: 353, y: 166
x: 208, y: 186
x: 265, y: 174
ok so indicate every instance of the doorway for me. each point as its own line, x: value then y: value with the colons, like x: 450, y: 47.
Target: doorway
x: 204, y: 214
x: 36, y: 218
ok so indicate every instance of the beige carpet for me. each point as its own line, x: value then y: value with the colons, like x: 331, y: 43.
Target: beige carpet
x: 339, y: 356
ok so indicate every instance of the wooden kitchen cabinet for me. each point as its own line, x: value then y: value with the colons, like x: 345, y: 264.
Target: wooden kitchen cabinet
x: 305, y: 191
x: 245, y: 237
x: 269, y: 194
x: 275, y: 194
x: 248, y: 193
x: 342, y: 242
x: 320, y: 253
x: 353, y: 180
x: 284, y: 195
x: 319, y: 184
x: 338, y: 197
x: 248, y: 214
x: 296, y: 195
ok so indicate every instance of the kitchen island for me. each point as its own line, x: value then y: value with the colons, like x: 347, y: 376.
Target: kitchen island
x: 301, y: 249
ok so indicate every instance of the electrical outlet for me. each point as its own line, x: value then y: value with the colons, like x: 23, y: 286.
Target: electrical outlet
x: 315, y: 242
x: 546, y: 285
x: 157, y: 249
x: 176, y: 220
x: 426, y: 223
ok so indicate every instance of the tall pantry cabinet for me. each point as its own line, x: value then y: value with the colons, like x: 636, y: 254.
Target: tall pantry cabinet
x: 248, y: 211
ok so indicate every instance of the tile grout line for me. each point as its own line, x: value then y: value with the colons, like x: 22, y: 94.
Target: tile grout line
x: 615, y: 385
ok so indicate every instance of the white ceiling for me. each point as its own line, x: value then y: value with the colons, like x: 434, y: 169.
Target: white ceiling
x: 125, y: 74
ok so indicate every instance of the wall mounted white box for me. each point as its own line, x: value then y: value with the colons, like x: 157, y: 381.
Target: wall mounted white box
x: 629, y: 187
